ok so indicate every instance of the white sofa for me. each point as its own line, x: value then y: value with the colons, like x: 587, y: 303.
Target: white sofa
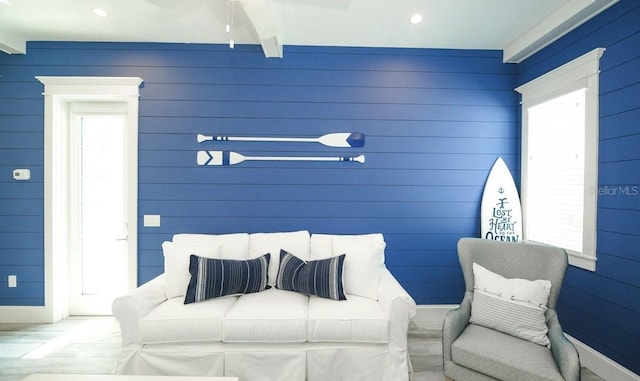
x: 274, y: 334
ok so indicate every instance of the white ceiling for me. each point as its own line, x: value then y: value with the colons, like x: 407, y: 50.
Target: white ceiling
x: 519, y: 27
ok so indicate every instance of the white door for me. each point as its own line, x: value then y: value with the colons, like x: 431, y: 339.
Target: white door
x: 98, y: 207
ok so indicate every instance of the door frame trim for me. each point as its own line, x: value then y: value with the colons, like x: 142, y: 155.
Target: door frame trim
x: 58, y: 93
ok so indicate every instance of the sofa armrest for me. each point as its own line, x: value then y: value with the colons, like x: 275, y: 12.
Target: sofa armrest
x: 397, y: 305
x: 565, y: 354
x: 131, y: 307
x: 455, y: 321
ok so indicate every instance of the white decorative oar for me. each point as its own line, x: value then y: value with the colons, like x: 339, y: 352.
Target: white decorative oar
x: 338, y: 139
x: 231, y: 158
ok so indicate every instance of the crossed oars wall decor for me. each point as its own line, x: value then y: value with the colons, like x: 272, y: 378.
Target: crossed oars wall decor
x: 221, y: 158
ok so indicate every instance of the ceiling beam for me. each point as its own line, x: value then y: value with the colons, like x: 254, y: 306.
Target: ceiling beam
x: 265, y: 24
x: 11, y: 43
x: 565, y: 19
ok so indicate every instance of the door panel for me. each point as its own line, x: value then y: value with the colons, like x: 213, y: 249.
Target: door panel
x: 98, y: 206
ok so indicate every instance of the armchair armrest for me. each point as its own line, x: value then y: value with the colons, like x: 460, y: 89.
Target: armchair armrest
x: 397, y: 305
x: 455, y: 321
x: 131, y: 307
x: 565, y: 354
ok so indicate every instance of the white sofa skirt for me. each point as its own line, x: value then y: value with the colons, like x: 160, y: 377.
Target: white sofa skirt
x: 290, y: 362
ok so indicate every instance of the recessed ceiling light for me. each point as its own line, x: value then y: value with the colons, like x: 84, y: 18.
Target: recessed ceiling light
x: 5, y: 2
x: 99, y: 12
x: 416, y: 19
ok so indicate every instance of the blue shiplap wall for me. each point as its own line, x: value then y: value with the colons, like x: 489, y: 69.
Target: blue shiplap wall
x: 602, y: 308
x: 21, y: 202
x: 435, y: 121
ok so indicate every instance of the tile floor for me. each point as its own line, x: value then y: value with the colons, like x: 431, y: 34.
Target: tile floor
x: 91, y: 345
x: 74, y: 345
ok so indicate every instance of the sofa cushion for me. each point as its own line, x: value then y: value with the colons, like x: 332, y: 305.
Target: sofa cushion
x: 355, y: 320
x: 175, y: 322
x: 296, y: 243
x: 321, y: 278
x: 267, y: 317
x: 234, y: 245
x: 176, y: 265
x: 514, y: 306
x: 364, y: 258
x: 212, y: 277
x: 321, y: 245
x: 503, y: 356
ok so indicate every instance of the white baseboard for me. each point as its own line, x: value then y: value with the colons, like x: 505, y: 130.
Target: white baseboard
x: 601, y: 364
x: 18, y: 314
x: 432, y: 316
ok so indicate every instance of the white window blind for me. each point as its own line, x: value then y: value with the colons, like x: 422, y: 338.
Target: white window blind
x: 556, y: 171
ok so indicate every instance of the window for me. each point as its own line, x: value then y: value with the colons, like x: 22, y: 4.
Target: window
x: 560, y: 158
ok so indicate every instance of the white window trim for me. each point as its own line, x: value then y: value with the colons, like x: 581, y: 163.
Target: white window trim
x: 58, y: 93
x: 582, y: 72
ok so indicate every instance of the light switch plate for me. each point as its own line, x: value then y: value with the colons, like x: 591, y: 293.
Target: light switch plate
x: 12, y: 280
x: 152, y: 220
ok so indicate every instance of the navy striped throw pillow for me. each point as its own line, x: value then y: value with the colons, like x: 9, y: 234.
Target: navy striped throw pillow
x: 212, y: 277
x: 321, y: 278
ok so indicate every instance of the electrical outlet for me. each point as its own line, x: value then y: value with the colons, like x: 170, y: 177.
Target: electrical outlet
x: 12, y: 280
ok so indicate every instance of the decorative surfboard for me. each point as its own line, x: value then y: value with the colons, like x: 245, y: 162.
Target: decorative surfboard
x: 500, y: 211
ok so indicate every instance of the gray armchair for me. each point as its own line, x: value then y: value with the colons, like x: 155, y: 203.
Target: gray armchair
x: 473, y: 352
